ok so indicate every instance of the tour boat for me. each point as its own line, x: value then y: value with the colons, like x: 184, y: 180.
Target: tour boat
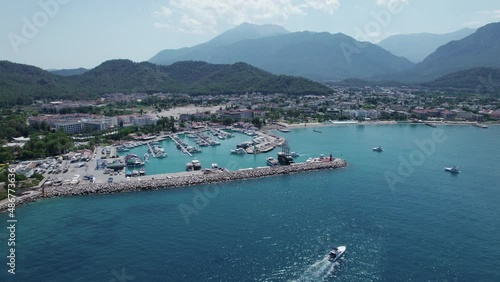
x: 272, y: 162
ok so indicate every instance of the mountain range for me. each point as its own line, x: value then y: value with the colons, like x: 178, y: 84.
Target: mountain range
x: 416, y: 47
x: 318, y: 56
x: 480, y: 49
x: 333, y: 57
x: 480, y: 80
x: 69, y: 72
x: 20, y: 84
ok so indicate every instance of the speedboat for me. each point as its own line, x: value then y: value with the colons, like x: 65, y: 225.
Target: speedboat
x: 378, y: 149
x: 336, y: 253
x: 453, y: 169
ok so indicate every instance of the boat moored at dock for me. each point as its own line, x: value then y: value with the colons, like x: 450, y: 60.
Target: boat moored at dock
x: 480, y: 125
x: 272, y: 162
x: 285, y: 159
x: 321, y: 158
x: 193, y: 165
x: 238, y: 151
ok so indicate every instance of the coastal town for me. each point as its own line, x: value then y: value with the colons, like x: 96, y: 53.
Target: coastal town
x: 345, y: 103
x: 103, y: 131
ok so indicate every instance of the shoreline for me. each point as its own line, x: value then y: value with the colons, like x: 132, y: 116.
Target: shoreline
x: 291, y: 126
x: 174, y: 182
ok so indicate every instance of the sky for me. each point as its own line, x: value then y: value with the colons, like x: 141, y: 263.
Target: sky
x: 58, y: 34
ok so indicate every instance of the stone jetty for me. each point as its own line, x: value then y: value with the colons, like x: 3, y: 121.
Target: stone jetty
x: 181, y: 181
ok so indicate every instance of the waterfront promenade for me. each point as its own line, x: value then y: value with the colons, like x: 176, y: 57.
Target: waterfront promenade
x: 164, y: 181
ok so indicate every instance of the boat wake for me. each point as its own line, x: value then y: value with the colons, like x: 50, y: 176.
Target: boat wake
x: 319, y: 271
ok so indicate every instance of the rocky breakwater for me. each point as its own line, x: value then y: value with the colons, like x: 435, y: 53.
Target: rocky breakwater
x: 20, y: 200
x: 189, y: 180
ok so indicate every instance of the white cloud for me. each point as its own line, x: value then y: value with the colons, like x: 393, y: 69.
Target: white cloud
x: 198, y: 16
x: 493, y: 14
x: 163, y: 12
x: 330, y: 6
x: 473, y: 24
x: 393, y: 3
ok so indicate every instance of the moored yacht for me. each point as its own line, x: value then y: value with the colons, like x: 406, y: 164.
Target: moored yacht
x: 238, y: 151
x: 272, y: 162
x: 193, y: 165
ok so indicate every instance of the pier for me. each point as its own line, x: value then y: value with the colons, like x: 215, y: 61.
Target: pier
x: 151, y: 151
x: 180, y: 145
x: 165, y: 181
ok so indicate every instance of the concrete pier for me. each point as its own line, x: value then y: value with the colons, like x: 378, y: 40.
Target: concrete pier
x: 182, y: 148
x: 151, y: 151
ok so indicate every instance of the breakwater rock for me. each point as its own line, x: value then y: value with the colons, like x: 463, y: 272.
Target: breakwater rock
x: 182, y: 181
x: 20, y: 200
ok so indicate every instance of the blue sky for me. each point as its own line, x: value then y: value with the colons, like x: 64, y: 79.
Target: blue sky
x: 69, y: 33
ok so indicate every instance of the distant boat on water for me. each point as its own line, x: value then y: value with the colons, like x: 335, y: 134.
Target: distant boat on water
x: 283, y: 130
x: 317, y: 131
x: 378, y: 149
x: 453, y: 169
x: 481, y: 125
x: 430, y: 124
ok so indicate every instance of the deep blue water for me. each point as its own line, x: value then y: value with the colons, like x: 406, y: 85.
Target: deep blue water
x: 429, y: 226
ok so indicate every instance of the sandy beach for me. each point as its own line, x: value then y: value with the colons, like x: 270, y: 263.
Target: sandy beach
x: 176, y: 112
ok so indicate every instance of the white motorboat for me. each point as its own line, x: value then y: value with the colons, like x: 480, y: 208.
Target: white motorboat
x: 238, y: 151
x: 272, y: 162
x: 337, y: 253
x: 453, y: 169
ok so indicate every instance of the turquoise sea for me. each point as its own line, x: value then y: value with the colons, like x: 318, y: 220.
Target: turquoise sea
x: 424, y: 224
